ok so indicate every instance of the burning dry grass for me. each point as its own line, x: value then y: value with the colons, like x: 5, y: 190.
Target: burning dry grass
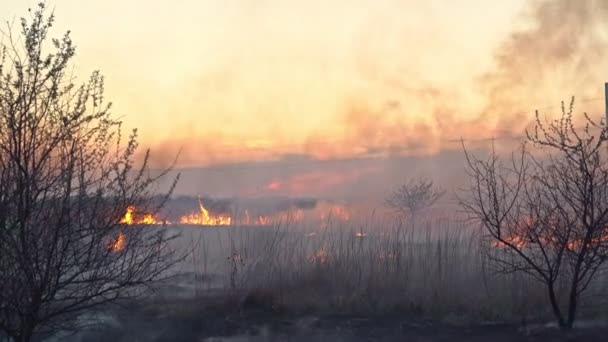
x: 203, y: 216
x: 118, y: 243
x: 436, y: 269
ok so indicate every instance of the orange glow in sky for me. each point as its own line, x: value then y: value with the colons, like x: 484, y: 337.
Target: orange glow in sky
x: 230, y: 80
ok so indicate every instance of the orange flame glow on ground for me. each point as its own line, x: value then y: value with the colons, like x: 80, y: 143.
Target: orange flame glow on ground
x: 291, y: 216
x: 324, y: 211
x: 204, y: 218
x: 128, y: 218
x: 335, y: 212
x: 596, y: 241
x: 519, y: 243
x: 147, y: 219
x: 516, y: 241
x: 118, y: 244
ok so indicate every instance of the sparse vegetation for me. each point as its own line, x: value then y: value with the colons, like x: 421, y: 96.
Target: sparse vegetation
x: 65, y: 181
x: 416, y: 195
x: 426, y: 272
x: 546, y: 210
x: 439, y: 274
x: 79, y: 229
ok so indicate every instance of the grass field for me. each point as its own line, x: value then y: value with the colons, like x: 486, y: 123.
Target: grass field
x: 435, y: 269
x: 376, y: 280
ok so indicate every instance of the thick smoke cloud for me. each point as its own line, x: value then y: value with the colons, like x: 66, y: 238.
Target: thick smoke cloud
x: 557, y: 49
x: 562, y: 52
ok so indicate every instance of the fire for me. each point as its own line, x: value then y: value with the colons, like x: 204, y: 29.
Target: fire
x: 596, y: 241
x: 335, y: 212
x: 263, y: 220
x: 520, y: 242
x: 204, y: 218
x: 515, y: 240
x: 148, y: 219
x: 118, y: 244
x: 290, y: 216
x: 280, y: 217
x: 130, y: 218
x: 260, y: 220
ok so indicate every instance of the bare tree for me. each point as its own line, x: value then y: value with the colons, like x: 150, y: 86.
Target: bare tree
x: 408, y: 199
x: 546, y: 210
x: 65, y: 181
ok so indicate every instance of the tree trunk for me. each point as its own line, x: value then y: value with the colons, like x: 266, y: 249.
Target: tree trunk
x: 555, y: 306
x: 573, y: 297
x: 26, y: 331
x: 572, y: 306
x: 25, y: 336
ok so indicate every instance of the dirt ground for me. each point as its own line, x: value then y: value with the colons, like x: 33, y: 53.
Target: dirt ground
x: 207, y: 319
x: 263, y: 327
x: 177, y: 315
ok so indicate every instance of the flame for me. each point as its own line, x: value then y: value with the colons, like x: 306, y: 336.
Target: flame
x: 289, y: 216
x: 596, y: 241
x: 263, y: 220
x: 204, y: 218
x: 118, y: 244
x: 515, y: 240
x: 520, y: 242
x: 247, y: 218
x: 324, y: 211
x: 260, y: 220
x: 335, y: 212
x: 147, y: 218
x: 128, y: 218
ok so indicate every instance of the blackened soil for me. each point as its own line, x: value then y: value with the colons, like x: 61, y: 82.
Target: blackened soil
x: 260, y: 326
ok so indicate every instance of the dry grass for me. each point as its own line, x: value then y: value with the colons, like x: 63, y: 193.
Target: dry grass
x: 436, y: 269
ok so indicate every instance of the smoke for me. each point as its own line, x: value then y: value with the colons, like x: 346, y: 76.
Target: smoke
x: 557, y: 49
x: 561, y: 53
x: 274, y: 205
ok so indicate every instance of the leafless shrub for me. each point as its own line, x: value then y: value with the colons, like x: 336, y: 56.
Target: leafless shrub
x: 545, y: 211
x: 65, y: 182
x: 408, y: 199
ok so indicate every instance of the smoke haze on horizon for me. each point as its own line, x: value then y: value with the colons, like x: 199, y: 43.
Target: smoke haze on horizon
x: 343, y: 90
x: 556, y: 50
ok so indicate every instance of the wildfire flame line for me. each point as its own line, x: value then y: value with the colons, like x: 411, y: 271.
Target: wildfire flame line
x: 520, y: 242
x: 204, y: 217
x: 147, y: 218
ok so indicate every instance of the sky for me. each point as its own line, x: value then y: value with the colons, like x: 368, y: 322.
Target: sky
x: 227, y: 81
